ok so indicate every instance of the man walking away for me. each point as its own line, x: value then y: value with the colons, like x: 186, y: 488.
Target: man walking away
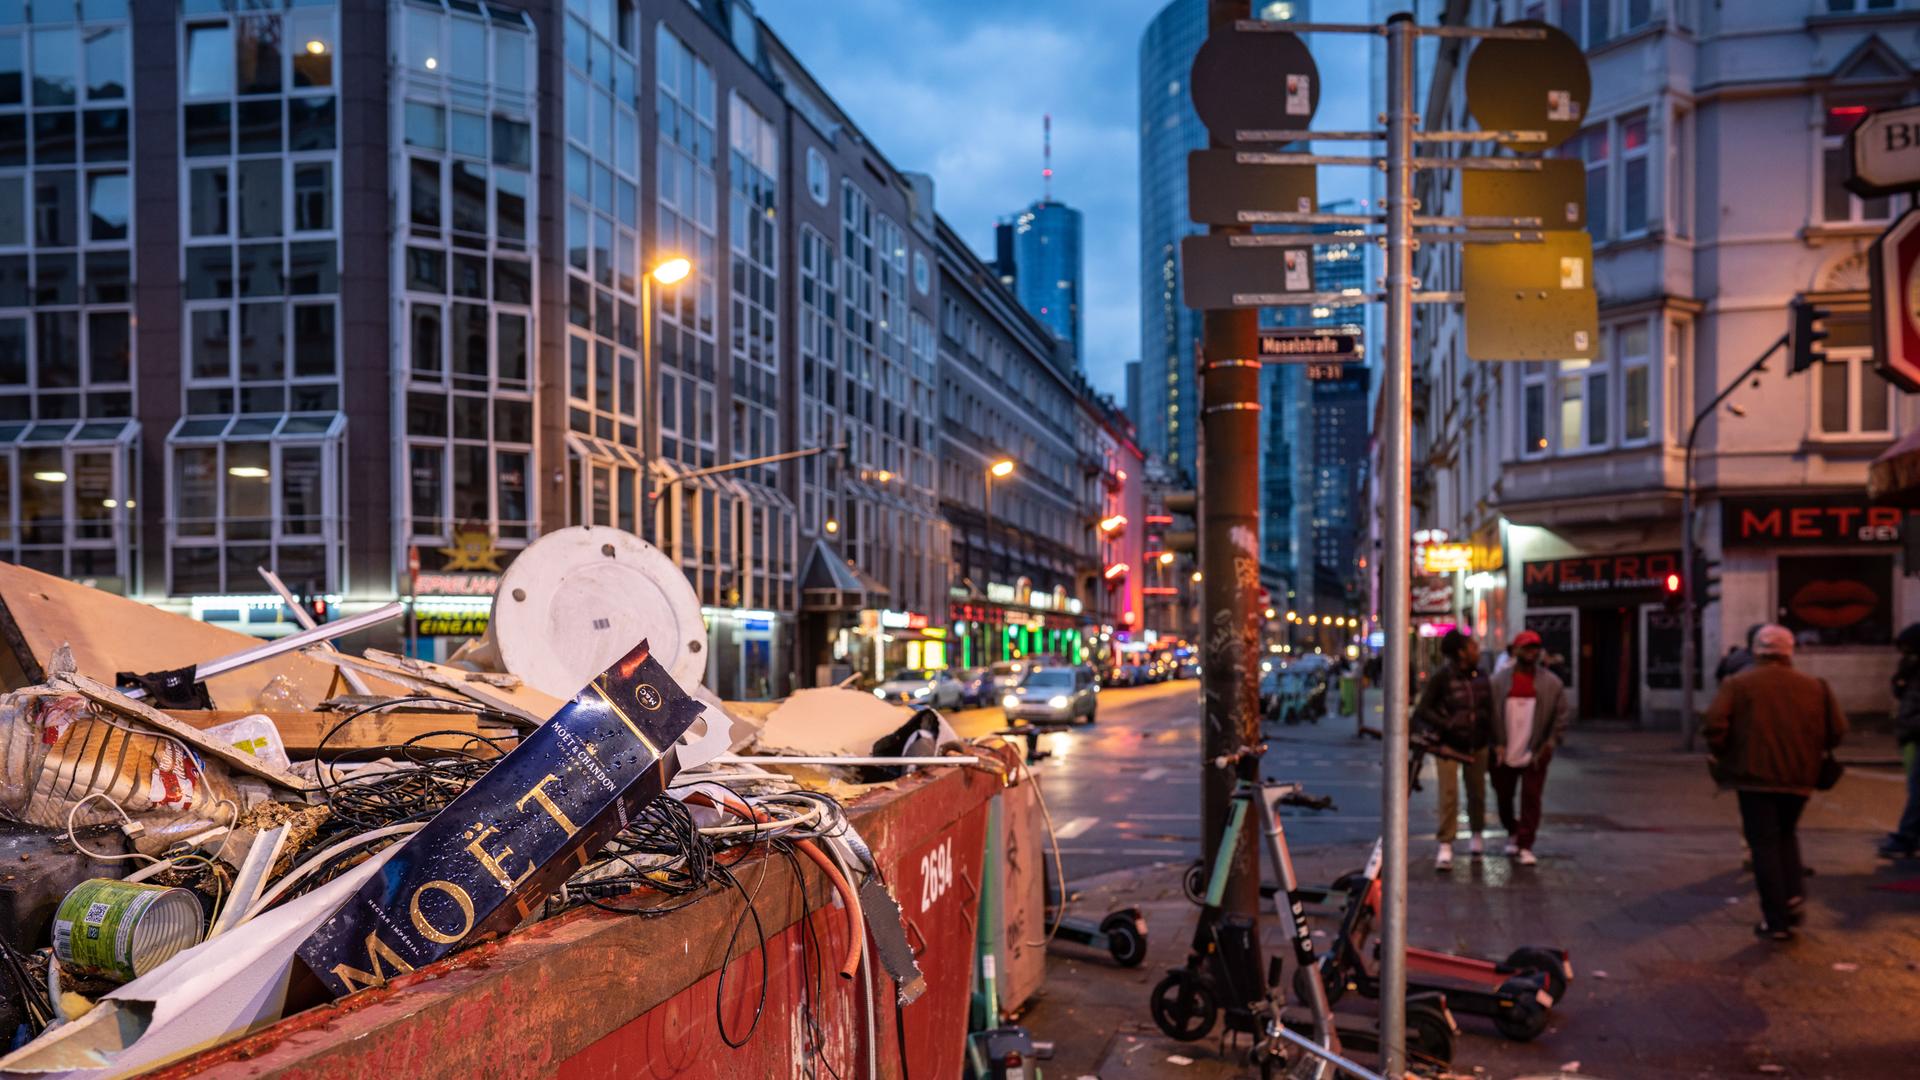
x: 1456, y: 709
x: 1904, y: 841
x: 1769, y: 729
x: 1530, y: 714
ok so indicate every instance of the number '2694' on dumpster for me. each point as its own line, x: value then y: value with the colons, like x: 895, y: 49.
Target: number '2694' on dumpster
x: 500, y: 848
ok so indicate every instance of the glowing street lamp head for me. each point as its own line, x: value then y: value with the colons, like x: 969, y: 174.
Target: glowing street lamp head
x: 1270, y: 613
x: 672, y: 271
x: 1003, y: 467
x: 1166, y: 558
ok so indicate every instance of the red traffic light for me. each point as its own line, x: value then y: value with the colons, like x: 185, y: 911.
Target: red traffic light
x: 1673, y: 584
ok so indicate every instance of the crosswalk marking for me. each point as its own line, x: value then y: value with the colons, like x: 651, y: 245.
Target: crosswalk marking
x: 1075, y: 827
x: 1153, y: 774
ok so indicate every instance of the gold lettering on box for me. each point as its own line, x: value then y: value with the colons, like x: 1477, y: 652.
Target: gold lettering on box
x: 539, y: 795
x: 460, y: 897
x: 491, y: 860
x: 377, y: 951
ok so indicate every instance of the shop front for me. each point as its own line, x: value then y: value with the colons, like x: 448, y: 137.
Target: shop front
x: 1606, y: 630
x: 1831, y: 568
x: 745, y: 661
x: 1015, y: 621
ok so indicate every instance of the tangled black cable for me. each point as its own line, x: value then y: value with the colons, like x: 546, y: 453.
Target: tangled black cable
x: 36, y: 1006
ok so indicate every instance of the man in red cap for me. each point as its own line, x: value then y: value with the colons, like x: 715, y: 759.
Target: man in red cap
x: 1530, y: 714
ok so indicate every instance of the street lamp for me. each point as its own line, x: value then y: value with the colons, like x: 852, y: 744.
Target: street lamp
x: 1001, y: 468
x: 668, y: 271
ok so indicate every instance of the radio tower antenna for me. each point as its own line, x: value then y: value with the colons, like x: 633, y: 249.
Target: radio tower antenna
x: 1046, y: 144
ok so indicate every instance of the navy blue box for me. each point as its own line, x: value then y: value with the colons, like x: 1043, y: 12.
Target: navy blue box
x: 506, y: 843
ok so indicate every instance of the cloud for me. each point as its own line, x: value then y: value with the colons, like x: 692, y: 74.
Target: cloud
x: 957, y: 90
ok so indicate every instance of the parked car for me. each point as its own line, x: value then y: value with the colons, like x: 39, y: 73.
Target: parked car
x: 930, y: 686
x: 1272, y: 679
x: 976, y: 685
x: 1187, y: 669
x: 1055, y: 695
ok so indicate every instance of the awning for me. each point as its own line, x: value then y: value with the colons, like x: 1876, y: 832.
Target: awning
x: 1894, y: 477
x: 830, y: 582
x: 257, y: 426
x: 70, y: 432
x: 594, y: 448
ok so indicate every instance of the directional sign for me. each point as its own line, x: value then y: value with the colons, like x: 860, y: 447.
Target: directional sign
x: 1883, y: 152
x: 1532, y: 301
x: 1894, y: 269
x: 1310, y: 345
x: 1219, y: 272
x: 1530, y: 85
x: 1253, y: 81
x: 1220, y: 188
x: 1557, y: 194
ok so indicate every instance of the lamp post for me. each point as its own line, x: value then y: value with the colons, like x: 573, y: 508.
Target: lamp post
x: 1002, y: 468
x: 669, y: 271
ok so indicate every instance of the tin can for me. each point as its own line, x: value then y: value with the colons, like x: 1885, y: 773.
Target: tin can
x: 122, y: 930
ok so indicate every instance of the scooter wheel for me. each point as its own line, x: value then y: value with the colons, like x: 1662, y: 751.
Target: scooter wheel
x: 1194, y: 882
x: 1125, y: 943
x: 1429, y: 1033
x: 1183, y: 1006
x: 1545, y: 961
x: 1527, y: 1018
x: 1330, y: 979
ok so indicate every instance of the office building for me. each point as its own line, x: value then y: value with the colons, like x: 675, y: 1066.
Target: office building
x: 1037, y: 254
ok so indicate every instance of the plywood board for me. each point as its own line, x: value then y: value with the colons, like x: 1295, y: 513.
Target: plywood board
x: 302, y: 731
x: 110, y: 634
x: 139, y: 711
x: 522, y: 700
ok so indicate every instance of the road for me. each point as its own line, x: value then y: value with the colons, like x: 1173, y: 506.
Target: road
x: 1125, y: 792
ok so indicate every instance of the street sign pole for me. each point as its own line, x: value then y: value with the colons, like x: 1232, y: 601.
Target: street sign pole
x: 1396, y: 392
x: 1229, y: 558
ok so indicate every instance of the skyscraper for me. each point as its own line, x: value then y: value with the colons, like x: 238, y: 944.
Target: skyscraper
x: 1169, y: 331
x: 1046, y: 267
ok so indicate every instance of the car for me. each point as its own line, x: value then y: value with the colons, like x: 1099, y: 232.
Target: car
x: 929, y: 686
x: 975, y: 685
x: 1004, y: 675
x: 1272, y: 690
x: 1053, y: 695
x: 1187, y: 669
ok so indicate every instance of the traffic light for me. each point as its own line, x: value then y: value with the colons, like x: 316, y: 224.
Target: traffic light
x: 1705, y: 581
x: 1672, y: 592
x: 1805, y: 333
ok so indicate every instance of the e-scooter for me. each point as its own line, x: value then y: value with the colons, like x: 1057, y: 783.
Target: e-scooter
x: 1223, y: 969
x: 1516, y: 993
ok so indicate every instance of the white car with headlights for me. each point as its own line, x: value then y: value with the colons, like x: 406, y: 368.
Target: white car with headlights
x: 1053, y: 695
x: 931, y: 687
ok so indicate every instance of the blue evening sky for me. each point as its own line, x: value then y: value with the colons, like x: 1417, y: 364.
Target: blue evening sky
x: 956, y: 88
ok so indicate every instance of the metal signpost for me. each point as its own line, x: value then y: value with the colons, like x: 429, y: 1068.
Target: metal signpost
x: 1254, y: 84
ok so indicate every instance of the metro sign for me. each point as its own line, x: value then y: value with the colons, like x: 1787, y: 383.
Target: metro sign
x: 1894, y: 269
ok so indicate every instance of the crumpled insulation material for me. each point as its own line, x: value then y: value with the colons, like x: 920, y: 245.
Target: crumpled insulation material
x: 58, y: 747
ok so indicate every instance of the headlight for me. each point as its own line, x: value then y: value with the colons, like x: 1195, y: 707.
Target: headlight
x: 880, y: 693
x: 1010, y: 700
x: 1266, y: 665
x: 923, y: 691
x: 1057, y: 701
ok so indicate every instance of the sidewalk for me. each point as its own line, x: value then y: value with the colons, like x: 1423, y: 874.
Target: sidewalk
x: 1640, y: 878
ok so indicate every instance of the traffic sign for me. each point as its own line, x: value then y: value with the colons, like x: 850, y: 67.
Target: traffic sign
x: 1530, y: 85
x: 1219, y: 272
x: 1532, y: 301
x: 1246, y: 80
x: 1219, y: 188
x: 1894, y: 270
x: 1557, y: 194
x: 1310, y: 345
x: 1883, y: 152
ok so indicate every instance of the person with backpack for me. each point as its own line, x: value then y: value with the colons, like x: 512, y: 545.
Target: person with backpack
x: 1904, y: 840
x: 1456, y: 709
x: 1531, y: 710
x: 1772, y: 731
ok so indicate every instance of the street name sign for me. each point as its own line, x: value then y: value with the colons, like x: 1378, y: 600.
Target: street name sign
x: 1883, y: 152
x: 1221, y: 188
x: 1220, y: 272
x: 1532, y: 301
x: 1530, y: 85
x: 1310, y: 345
x: 1557, y: 194
x: 1253, y: 80
x: 1893, y: 267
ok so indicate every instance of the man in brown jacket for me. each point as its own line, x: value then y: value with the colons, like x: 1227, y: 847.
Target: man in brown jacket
x: 1769, y: 729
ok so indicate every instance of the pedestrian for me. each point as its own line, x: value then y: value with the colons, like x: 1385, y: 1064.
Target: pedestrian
x: 1456, y: 709
x: 1506, y: 655
x: 1531, y: 711
x: 1769, y: 729
x: 1904, y: 840
x: 1738, y: 659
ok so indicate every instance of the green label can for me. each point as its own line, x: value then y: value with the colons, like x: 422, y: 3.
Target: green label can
x: 121, y: 930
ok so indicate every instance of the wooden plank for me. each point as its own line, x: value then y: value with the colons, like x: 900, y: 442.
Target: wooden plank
x: 302, y: 731
x: 110, y: 634
x: 522, y: 701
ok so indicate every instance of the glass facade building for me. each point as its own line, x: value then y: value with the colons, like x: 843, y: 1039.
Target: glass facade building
x: 1048, y: 269
x: 1169, y: 330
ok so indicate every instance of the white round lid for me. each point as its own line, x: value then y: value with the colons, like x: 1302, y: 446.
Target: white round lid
x: 578, y: 599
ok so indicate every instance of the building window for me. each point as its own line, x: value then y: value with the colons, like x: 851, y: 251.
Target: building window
x: 1851, y: 399
x: 818, y: 179
x: 1636, y: 382
x: 1533, y: 408
x: 1850, y: 7
x: 1590, y: 146
x: 253, y: 491
x: 1808, y: 586
x: 1837, y: 204
x: 1636, y: 195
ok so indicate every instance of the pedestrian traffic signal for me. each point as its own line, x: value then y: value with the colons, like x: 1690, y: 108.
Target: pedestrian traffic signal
x: 1673, y: 592
x: 1806, y: 331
